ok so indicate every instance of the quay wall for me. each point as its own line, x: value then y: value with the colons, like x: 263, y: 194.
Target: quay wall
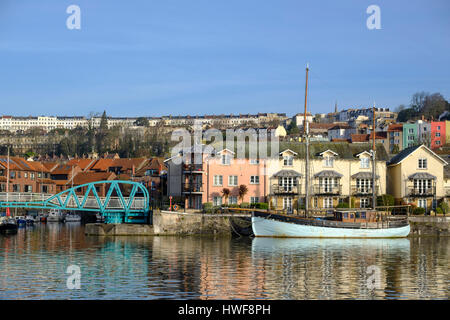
x: 181, y: 224
x: 429, y: 226
x: 175, y: 223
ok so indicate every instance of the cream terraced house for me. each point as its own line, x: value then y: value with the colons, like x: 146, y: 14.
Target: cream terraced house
x: 339, y: 172
x: 416, y: 175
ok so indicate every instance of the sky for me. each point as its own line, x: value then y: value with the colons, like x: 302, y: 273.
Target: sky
x: 153, y: 58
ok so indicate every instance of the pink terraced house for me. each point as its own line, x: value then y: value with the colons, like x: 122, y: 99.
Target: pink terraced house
x: 437, y: 134
x: 205, y: 182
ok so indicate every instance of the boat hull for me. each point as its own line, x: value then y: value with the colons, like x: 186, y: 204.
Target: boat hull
x: 263, y: 227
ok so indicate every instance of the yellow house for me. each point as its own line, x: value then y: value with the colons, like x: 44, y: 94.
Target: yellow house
x: 339, y: 173
x: 416, y: 175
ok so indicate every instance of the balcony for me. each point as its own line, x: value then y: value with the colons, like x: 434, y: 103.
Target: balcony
x: 285, y: 189
x: 192, y: 188
x: 364, y: 191
x: 193, y: 168
x: 327, y: 189
x: 421, y: 192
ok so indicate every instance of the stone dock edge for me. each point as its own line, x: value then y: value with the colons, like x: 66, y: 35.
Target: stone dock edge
x: 167, y: 223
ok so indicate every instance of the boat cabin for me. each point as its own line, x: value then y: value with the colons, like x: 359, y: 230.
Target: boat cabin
x: 357, y: 216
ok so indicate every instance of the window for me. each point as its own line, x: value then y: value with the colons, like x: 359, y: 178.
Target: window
x: 438, y: 134
x: 364, y: 185
x: 438, y: 142
x: 439, y: 127
x: 410, y: 138
x: 423, y: 163
x: 226, y: 160
x: 232, y: 200
x: 233, y: 181
x: 32, y: 176
x: 218, y: 180
x: 328, y: 202
x: 365, y: 163
x: 316, y: 202
x: 410, y: 130
x: 254, y: 161
x: 288, y: 160
x: 423, y: 186
x: 254, y: 199
x: 364, y: 203
x: 25, y: 175
x: 287, y: 204
x: 328, y: 161
x: 422, y: 203
x: 217, y: 201
x: 254, y: 180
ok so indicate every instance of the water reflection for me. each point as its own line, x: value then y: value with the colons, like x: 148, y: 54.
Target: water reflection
x: 34, y: 264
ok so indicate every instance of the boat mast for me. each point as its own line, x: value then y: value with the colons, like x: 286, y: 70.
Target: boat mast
x: 306, y: 137
x: 7, y: 183
x: 374, y: 196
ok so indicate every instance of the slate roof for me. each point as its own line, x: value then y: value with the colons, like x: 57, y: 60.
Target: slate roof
x: 402, y: 155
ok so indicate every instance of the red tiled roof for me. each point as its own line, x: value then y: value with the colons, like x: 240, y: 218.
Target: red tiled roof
x: 359, y: 137
x: 84, y: 164
x: 64, y: 169
x: 87, y: 177
x: 379, y: 135
x: 126, y: 164
x: 395, y: 127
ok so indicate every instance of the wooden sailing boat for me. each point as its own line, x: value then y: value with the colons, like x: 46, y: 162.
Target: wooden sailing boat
x: 352, y: 223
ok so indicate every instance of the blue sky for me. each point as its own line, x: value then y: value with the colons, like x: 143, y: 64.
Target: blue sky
x: 153, y: 58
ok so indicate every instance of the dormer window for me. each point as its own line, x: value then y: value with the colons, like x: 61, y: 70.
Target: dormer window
x: 226, y: 160
x: 365, y: 163
x: 288, y: 160
x: 328, y: 161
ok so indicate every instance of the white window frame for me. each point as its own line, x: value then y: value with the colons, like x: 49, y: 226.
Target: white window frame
x: 422, y: 163
x: 288, y: 161
x: 254, y: 179
x: 254, y: 199
x: 254, y: 161
x: 217, y: 201
x: 226, y: 160
x: 230, y: 182
x: 365, y: 163
x: 327, y: 203
x: 364, y: 203
x: 215, y: 180
x: 328, y: 161
x: 232, y: 200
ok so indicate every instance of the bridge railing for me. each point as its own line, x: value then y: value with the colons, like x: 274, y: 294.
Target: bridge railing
x: 90, y: 202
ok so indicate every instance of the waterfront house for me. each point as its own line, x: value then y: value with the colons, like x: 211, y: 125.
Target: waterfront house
x: 416, y: 176
x: 339, y: 173
x: 437, y: 134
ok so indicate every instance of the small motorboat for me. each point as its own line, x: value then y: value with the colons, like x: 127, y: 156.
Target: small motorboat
x: 29, y: 220
x: 55, y: 216
x: 8, y: 225
x: 21, y: 221
x: 72, y: 217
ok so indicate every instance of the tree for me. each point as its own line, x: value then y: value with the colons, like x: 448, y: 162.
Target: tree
x: 141, y: 122
x: 225, y: 193
x: 104, y: 122
x: 292, y: 127
x: 242, y: 191
x: 407, y: 114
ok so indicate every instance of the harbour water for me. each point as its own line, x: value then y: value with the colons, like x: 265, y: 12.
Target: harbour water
x: 34, y: 265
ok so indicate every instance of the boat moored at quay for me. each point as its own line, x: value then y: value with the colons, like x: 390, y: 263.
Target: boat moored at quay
x: 343, y: 224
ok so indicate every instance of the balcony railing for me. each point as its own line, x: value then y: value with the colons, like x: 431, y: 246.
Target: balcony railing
x: 421, y: 192
x: 285, y: 189
x: 192, y: 187
x: 364, y: 190
x: 327, y: 189
x: 193, y: 168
